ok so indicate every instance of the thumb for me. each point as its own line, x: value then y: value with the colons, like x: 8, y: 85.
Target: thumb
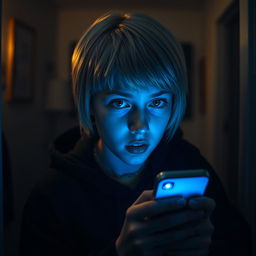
x: 146, y: 195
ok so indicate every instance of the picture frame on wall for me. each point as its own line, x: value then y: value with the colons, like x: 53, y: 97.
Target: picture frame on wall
x: 189, y: 58
x: 20, y: 61
x: 202, y: 85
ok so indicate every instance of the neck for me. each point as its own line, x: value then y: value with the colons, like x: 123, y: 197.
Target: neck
x: 111, y: 164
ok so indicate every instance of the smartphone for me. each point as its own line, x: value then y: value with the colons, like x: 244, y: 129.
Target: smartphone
x: 185, y: 183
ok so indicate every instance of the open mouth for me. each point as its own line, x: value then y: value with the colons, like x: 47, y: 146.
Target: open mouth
x: 137, y: 148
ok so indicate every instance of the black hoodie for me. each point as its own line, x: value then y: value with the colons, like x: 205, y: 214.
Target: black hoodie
x: 78, y: 210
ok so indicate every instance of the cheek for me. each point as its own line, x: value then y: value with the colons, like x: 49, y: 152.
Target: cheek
x: 157, y: 130
x: 159, y: 123
x: 110, y: 127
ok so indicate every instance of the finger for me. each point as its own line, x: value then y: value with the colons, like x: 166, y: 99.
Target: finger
x: 154, y: 208
x: 205, y: 226
x: 146, y: 195
x: 173, y: 237
x: 203, y: 203
x: 173, y: 220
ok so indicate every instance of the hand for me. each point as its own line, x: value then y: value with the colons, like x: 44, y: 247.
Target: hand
x: 200, y: 231
x: 152, y: 227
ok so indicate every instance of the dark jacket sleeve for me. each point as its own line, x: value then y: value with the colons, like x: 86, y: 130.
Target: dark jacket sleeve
x: 43, y: 234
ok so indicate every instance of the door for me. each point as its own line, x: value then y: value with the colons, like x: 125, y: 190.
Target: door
x: 227, y: 120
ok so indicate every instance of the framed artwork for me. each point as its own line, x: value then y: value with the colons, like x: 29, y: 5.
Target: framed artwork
x: 20, y: 61
x: 202, y: 85
x: 188, y: 52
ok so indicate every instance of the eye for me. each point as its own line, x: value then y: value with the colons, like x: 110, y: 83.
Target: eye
x: 159, y: 103
x: 118, y: 104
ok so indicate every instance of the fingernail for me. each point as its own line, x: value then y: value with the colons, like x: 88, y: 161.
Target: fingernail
x: 194, y: 202
x: 181, y: 201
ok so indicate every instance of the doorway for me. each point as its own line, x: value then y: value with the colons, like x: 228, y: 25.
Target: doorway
x: 227, y: 119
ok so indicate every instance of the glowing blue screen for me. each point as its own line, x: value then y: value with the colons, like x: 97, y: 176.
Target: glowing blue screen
x: 186, y: 187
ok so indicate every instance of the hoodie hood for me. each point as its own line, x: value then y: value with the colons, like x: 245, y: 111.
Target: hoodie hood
x: 72, y: 154
x: 69, y: 141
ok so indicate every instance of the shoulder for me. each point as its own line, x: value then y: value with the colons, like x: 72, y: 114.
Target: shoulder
x: 57, y: 195
x: 55, y: 183
x: 184, y: 154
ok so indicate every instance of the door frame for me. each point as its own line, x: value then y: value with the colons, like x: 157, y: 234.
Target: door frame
x: 247, y: 159
x: 221, y: 141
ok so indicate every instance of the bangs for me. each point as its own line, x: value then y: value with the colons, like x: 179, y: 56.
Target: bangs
x: 126, y: 62
x: 145, y: 79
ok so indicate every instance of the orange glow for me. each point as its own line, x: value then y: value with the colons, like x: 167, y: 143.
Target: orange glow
x: 99, y: 20
x: 127, y: 16
x: 10, y: 58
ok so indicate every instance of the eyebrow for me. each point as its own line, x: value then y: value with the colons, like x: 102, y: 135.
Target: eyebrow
x: 126, y: 94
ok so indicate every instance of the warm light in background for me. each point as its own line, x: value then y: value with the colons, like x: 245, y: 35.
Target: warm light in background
x: 10, y: 58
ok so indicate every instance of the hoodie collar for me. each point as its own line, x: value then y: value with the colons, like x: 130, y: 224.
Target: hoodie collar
x: 72, y: 154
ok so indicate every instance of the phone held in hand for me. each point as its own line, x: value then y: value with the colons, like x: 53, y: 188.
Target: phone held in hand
x: 185, y: 183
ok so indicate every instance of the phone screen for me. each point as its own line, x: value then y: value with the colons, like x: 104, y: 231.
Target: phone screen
x: 180, y: 183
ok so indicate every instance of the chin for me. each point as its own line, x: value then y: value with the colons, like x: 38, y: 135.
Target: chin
x: 136, y: 160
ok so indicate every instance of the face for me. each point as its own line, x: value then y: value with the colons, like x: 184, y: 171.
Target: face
x: 130, y: 123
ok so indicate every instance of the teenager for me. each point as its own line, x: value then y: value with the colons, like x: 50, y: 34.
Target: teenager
x: 130, y: 84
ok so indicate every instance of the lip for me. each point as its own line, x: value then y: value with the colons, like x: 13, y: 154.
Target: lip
x: 137, y: 149
x: 137, y: 142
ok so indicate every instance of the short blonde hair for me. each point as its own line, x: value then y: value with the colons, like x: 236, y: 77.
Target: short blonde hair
x: 128, y: 51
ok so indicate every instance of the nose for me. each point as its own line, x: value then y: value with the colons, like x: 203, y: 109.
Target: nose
x: 138, y: 123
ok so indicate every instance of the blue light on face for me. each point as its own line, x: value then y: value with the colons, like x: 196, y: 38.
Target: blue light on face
x: 124, y: 115
x: 168, y: 185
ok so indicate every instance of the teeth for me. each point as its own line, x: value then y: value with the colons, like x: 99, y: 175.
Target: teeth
x: 137, y: 144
